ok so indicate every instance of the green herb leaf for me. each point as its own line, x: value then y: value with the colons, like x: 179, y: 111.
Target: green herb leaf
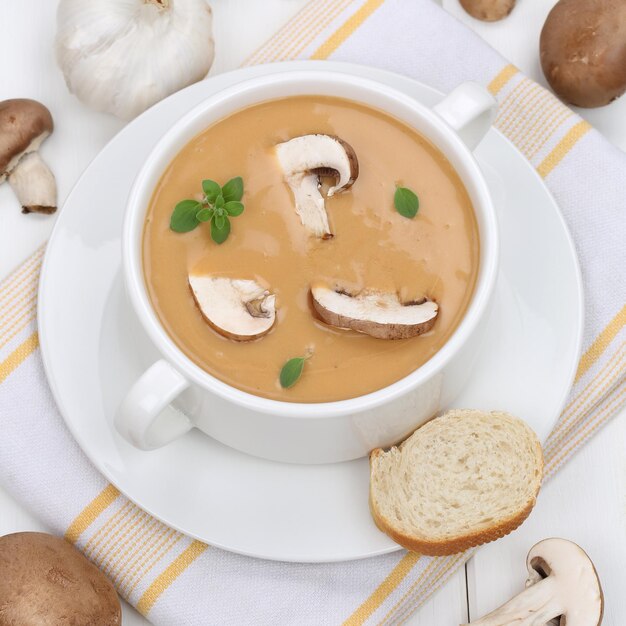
x: 220, y: 235
x: 204, y: 215
x: 184, y: 216
x: 211, y: 190
x: 219, y: 220
x: 234, y: 208
x: 291, y: 371
x: 233, y: 189
x: 407, y: 203
x: 217, y: 205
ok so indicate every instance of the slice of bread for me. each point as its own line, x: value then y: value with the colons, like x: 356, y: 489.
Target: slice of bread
x: 461, y: 480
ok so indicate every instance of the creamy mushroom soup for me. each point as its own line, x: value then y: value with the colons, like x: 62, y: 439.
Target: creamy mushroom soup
x: 328, y: 260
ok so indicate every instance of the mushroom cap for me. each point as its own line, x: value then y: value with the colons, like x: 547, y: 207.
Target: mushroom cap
x: 325, y: 155
x: 45, y: 580
x: 237, y: 309
x: 576, y: 587
x: 380, y: 315
x: 583, y: 51
x: 488, y: 10
x: 22, y: 124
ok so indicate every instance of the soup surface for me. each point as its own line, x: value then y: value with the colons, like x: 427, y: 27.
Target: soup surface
x: 435, y: 254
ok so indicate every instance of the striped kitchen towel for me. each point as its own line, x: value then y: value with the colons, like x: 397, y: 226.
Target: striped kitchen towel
x: 175, y: 580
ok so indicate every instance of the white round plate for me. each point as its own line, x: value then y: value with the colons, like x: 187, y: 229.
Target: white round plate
x: 94, y: 348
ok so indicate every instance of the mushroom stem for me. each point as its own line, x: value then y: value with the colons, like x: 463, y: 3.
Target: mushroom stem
x: 34, y: 185
x: 310, y: 203
x: 535, y: 605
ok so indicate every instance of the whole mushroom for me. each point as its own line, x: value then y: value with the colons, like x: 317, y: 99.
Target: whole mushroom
x: 24, y: 125
x: 47, y: 581
x: 583, y: 51
x: 488, y: 10
x: 562, y: 585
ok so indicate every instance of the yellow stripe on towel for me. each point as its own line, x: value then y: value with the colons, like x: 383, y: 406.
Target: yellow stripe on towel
x: 91, y: 512
x: 301, y: 43
x: 602, y: 341
x: 162, y: 544
x: 610, y: 405
x: 18, y: 356
x: 571, y: 138
x: 502, y: 79
x: 23, y: 275
x: 343, y: 32
x: 384, y: 590
x: 437, y: 574
x: 169, y: 575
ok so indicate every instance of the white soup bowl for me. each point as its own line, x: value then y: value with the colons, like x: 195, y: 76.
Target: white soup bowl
x: 175, y: 395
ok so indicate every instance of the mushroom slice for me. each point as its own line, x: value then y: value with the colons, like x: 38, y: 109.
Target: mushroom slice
x: 24, y: 125
x: 303, y: 160
x: 381, y: 315
x: 562, y: 583
x: 237, y: 309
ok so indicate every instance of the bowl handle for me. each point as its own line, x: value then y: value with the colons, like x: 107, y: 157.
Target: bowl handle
x: 145, y: 417
x: 470, y: 109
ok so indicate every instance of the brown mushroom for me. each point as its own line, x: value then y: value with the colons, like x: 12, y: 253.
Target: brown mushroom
x: 488, y: 10
x: 47, y: 581
x: 303, y: 161
x: 237, y: 309
x: 380, y: 315
x: 583, y: 51
x: 562, y: 583
x: 24, y: 125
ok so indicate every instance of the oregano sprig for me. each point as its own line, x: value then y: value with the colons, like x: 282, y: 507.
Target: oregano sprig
x: 217, y: 206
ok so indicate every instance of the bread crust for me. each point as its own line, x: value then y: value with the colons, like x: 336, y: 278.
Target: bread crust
x: 461, y: 542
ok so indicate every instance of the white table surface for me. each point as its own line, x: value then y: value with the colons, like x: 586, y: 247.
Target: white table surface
x: 585, y: 502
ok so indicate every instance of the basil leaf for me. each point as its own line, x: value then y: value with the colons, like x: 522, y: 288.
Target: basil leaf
x: 184, y: 216
x: 291, y: 372
x: 204, y: 215
x: 211, y: 190
x: 407, y: 203
x: 234, y: 208
x: 233, y: 189
x: 219, y: 201
x: 220, y: 235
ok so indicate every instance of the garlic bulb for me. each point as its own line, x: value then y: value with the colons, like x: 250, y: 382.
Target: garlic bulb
x: 122, y: 56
